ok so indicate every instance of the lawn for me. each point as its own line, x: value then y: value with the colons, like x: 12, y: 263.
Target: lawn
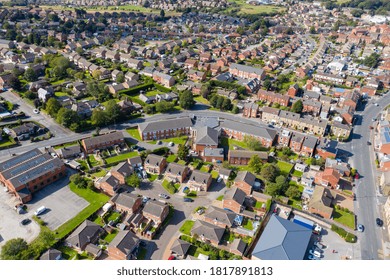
x: 168, y: 187
x: 58, y: 82
x: 295, y: 202
x: 347, y: 219
x: 112, y: 216
x: 93, y: 161
x: 248, y: 224
x: 96, y: 200
x: 152, y: 177
x: 284, y: 167
x: 171, y: 158
x: 228, y: 236
x: 227, y: 142
x: 66, y: 145
x: 201, y: 99
x: 134, y: 133
x: 121, y: 157
x: 220, y: 198
x: 105, y: 103
x: 7, y: 142
x: 69, y: 254
x: 100, y: 173
x: 297, y: 173
x: 186, y: 227
x: 110, y: 236
x: 214, y: 174
x: 60, y: 94
x: 246, y: 8
x: 181, y: 162
x: 204, y: 168
x: 84, y: 164
x: 177, y: 140
x: 141, y: 253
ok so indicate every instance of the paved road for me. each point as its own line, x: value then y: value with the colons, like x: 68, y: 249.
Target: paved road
x: 368, y: 198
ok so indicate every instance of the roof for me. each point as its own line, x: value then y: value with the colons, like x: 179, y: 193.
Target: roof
x: 236, y: 194
x: 180, y: 247
x: 310, y: 142
x: 175, y: 168
x: 225, y: 171
x: 246, y: 176
x: 83, y: 234
x: 69, y: 151
x: 125, y: 199
x: 165, y: 125
x: 245, y: 68
x: 125, y: 241
x: 282, y: 240
x: 124, y: 168
x: 248, y: 154
x: 153, y: 159
x: 51, y: 254
x: 208, y: 231
x: 321, y: 200
x: 206, y: 136
x: 238, y: 245
x: 248, y: 129
x: 199, y: 176
x: 154, y: 208
x: 220, y: 215
x: 102, y: 139
x: 213, y: 152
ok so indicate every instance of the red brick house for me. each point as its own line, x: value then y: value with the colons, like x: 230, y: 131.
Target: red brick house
x: 199, y: 181
x: 155, y: 164
x: 329, y: 177
x: 272, y: 97
x: 196, y: 76
x: 204, y: 137
x: 121, y: 171
x: 293, y: 90
x: 207, y: 232
x: 234, y: 200
x: 127, y: 202
x: 102, y: 141
x: 124, y: 246
x: 245, y: 181
x: 296, y: 142
x: 219, y: 217
x: 165, y: 129
x: 155, y: 211
x: 176, y: 172
x: 284, y: 138
x: 108, y: 184
x: 250, y: 110
x: 163, y: 79
x: 242, y: 157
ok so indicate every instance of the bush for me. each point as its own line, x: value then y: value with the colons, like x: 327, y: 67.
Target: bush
x: 136, y: 90
x: 348, y: 237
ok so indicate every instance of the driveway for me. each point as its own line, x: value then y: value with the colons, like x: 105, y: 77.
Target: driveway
x: 10, y: 226
x: 61, y: 202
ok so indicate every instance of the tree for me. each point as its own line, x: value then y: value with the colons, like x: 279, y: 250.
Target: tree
x: 99, y: 117
x: 272, y: 189
x: 66, y: 117
x: 176, y: 50
x: 162, y: 14
x: 269, y: 172
x: 293, y: 192
x: 372, y: 60
x: 235, y: 109
x: 113, y: 111
x: 30, y: 75
x: 186, y: 99
x: 255, y: 164
x: 14, y: 82
x: 120, y: 78
x: 15, y: 249
x: 133, y: 181
x: 164, y: 106
x: 226, y: 104
x: 252, y: 143
x: 297, y: 107
x: 182, y: 151
x: 205, y: 90
x: 53, y: 106
x: 312, y: 30
x: 267, y: 84
x: 96, y: 74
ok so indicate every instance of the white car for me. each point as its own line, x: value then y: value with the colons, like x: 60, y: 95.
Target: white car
x: 171, y: 144
x: 219, y: 179
x: 376, y: 104
x: 315, y: 253
x: 36, y: 111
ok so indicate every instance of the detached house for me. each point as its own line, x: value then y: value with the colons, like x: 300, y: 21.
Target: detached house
x: 124, y: 246
x: 155, y: 164
x: 199, y: 181
x: 234, y: 200
x: 155, y: 211
x: 245, y: 181
x: 176, y: 172
x: 127, y: 202
x: 207, y: 232
x: 329, y: 177
x: 321, y: 202
x: 164, y: 79
x: 219, y: 217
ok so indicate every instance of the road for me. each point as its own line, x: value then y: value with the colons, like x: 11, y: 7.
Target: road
x: 368, y: 198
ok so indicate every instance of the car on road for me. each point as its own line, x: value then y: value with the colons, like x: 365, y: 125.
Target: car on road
x: 368, y: 143
x: 315, y: 253
x: 311, y: 257
x: 379, y: 222
x: 163, y: 195
x: 187, y: 199
x: 159, y: 142
x: 200, y: 211
x: 145, y: 199
x: 36, y: 111
x: 171, y: 144
x: 376, y: 104
x: 25, y: 222
x: 360, y: 228
x: 374, y: 119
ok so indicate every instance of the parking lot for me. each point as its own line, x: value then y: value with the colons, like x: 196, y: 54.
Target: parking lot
x: 62, y: 204
x: 10, y: 226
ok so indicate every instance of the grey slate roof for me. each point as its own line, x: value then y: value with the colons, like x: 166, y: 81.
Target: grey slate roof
x: 199, y: 176
x: 220, y: 215
x: 206, y: 136
x: 83, y: 234
x: 51, y: 254
x: 123, y: 168
x: 125, y: 241
x: 236, y: 194
x: 175, y: 168
x: 282, y: 240
x: 154, y: 160
x: 165, y: 125
x: 238, y: 245
x: 154, y: 207
x: 310, y: 142
x: 248, y: 154
x: 125, y: 199
x: 245, y: 68
x: 180, y: 247
x: 101, y: 139
x: 208, y: 231
x: 246, y: 177
x: 248, y: 129
x: 69, y: 151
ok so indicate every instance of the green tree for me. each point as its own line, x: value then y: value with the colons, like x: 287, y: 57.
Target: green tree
x: 372, y: 60
x: 15, y: 249
x: 182, y: 151
x: 30, y: 75
x: 53, y: 106
x: 255, y: 164
x: 293, y: 192
x: 312, y: 30
x: 14, y: 82
x: 120, y: 78
x: 252, y: 143
x: 267, y: 84
x: 176, y: 50
x: 297, y: 107
x: 99, y: 117
x: 226, y: 104
x: 96, y: 74
x: 133, y: 181
x: 235, y: 110
x: 272, y: 189
x: 269, y: 172
x: 164, y: 106
x: 66, y: 117
x: 186, y: 99
x: 162, y: 13
x: 113, y: 111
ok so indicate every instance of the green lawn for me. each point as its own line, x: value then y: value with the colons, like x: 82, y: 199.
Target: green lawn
x: 177, y: 140
x: 134, y: 133
x: 93, y: 161
x: 168, y: 187
x: 347, y: 219
x: 220, y: 198
x: 58, y: 82
x: 171, y: 158
x: 147, y: 64
x: 7, y: 142
x: 297, y: 173
x: 227, y: 142
x: 152, y: 177
x: 204, y: 168
x: 248, y: 224
x: 112, y: 216
x: 296, y: 202
x: 60, y: 94
x: 284, y: 167
x: 246, y: 8
x: 105, y: 103
x: 201, y: 99
x: 181, y: 162
x: 141, y: 253
x: 66, y: 145
x: 101, y: 173
x: 84, y: 165
x: 121, y: 157
x: 69, y: 254
x: 98, y: 220
x: 96, y: 200
x: 110, y: 236
x: 214, y: 174
x: 186, y: 227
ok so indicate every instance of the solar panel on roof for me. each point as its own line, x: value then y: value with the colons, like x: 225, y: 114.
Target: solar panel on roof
x: 27, y: 166
x: 21, y: 158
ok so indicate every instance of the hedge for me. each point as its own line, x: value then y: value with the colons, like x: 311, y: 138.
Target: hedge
x: 348, y: 237
x: 136, y: 90
x: 161, y: 88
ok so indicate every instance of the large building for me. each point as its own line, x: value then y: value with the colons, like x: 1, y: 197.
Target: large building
x: 102, y: 141
x: 165, y: 129
x: 29, y: 172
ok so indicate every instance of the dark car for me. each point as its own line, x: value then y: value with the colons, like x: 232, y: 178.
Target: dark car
x: 379, y: 222
x: 368, y: 143
x: 25, y: 222
x: 188, y: 199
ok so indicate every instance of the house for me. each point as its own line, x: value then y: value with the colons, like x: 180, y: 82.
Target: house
x: 242, y: 157
x: 196, y: 76
x: 300, y: 167
x: 86, y: 233
x: 272, y: 97
x: 164, y: 79
x: 204, y: 137
x: 155, y: 164
x: 309, y: 146
x: 155, y: 211
x: 115, y: 74
x: 51, y: 254
x: 327, y: 148
x: 69, y: 152
x: 199, y: 181
x: 108, y: 184
x: 233, y: 200
x: 284, y: 138
x: 121, y: 171
x: 44, y: 94
x: 246, y: 72
x: 207, y: 232
x: 321, y: 202
x: 102, y: 141
x: 224, y: 173
x: 329, y: 177
x: 245, y: 181
x: 135, y: 161
x: 250, y: 110
x: 176, y: 172
x: 213, y: 154
x: 165, y: 129
x: 219, y: 217
x: 124, y: 246
x: 127, y: 202
x: 340, y: 130
x: 23, y: 131
x: 180, y: 247
x: 282, y: 240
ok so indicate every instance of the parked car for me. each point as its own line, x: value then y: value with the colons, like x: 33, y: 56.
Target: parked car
x: 172, y: 258
x: 368, y: 143
x: 25, y: 222
x: 219, y: 179
x: 163, y: 195
x: 315, y: 253
x: 200, y: 211
x: 145, y: 199
x: 171, y: 144
x: 40, y: 211
x: 36, y: 111
x: 311, y: 257
x: 360, y: 227
x: 159, y: 142
x: 379, y: 222
x: 187, y: 199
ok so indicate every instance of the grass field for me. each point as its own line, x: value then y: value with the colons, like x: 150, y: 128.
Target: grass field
x: 201, y: 99
x: 284, y: 167
x: 246, y: 8
x: 121, y: 157
x: 227, y: 142
x: 347, y: 219
x: 171, y: 158
x: 134, y: 133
